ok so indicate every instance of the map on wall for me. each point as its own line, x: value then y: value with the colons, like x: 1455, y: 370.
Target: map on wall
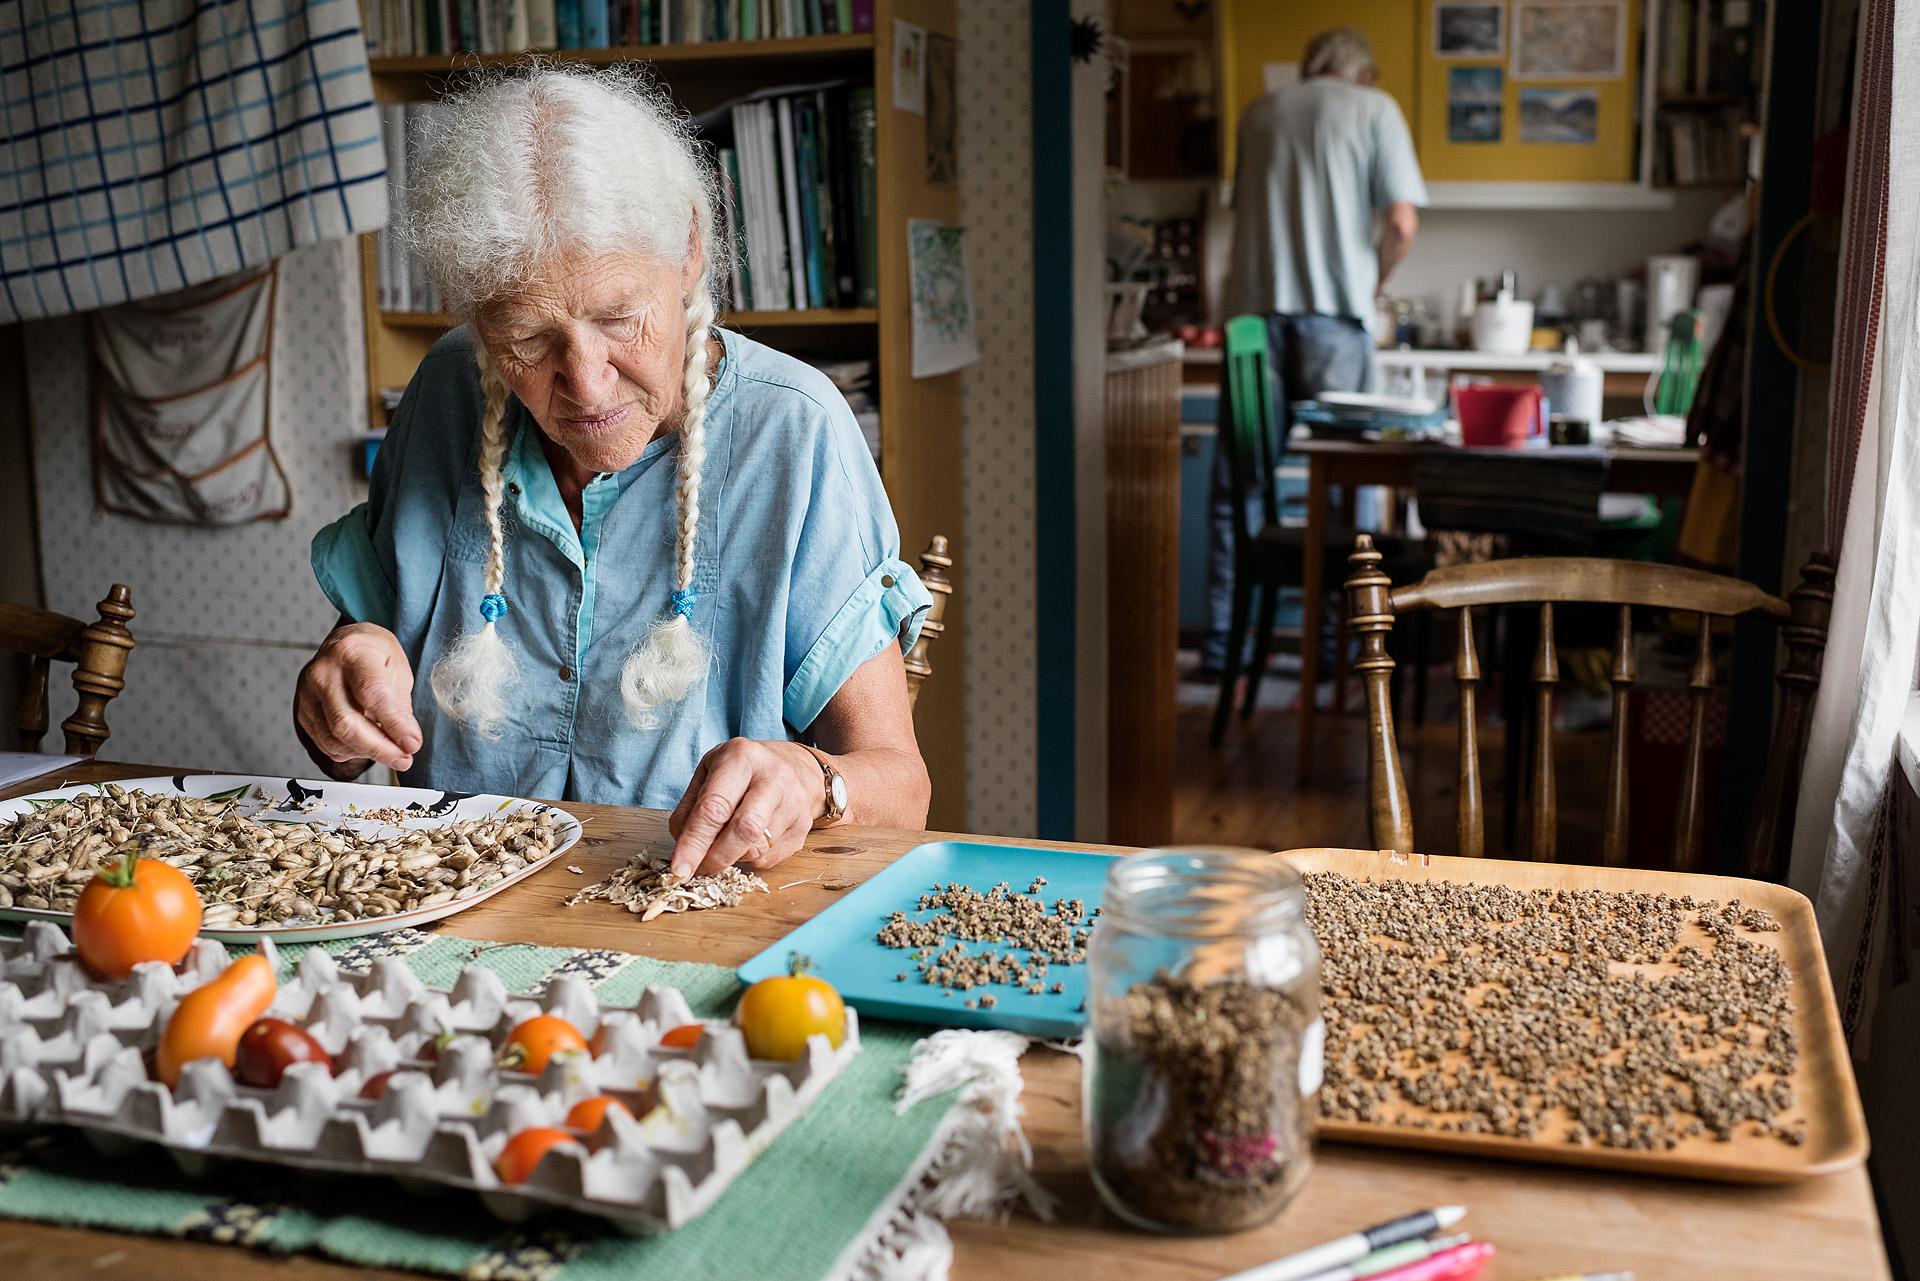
x: 943, y: 334
x: 1569, y: 39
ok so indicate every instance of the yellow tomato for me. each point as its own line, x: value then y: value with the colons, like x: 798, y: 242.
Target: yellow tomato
x: 777, y: 1015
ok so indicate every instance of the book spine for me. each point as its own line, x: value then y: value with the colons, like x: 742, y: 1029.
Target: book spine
x: 543, y: 25
x: 863, y: 15
x: 843, y: 16
x: 779, y: 293
x: 742, y: 275
x: 824, y: 160
x: 566, y: 18
x: 867, y: 190
x: 594, y: 32
x: 790, y: 205
x: 472, y: 39
x: 516, y: 34
x: 846, y: 245
x: 806, y: 147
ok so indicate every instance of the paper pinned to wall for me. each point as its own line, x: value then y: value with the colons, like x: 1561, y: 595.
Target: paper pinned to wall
x: 1569, y: 39
x: 943, y: 332
x: 909, y: 67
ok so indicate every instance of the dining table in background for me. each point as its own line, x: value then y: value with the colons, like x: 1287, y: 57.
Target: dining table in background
x: 1664, y: 473
x: 1545, y: 1220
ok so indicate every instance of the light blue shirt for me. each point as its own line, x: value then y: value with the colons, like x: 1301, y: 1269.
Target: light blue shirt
x: 1312, y: 165
x: 797, y: 569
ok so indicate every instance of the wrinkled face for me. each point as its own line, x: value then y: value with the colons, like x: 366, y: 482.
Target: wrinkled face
x: 595, y: 351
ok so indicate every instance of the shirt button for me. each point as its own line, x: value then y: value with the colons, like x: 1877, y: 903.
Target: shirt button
x: 566, y: 673
x: 886, y: 580
x: 513, y: 488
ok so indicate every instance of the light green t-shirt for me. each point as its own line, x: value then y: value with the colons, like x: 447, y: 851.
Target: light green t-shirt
x: 1314, y: 164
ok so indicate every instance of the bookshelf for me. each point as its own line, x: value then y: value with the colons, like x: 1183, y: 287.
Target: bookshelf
x: 919, y: 417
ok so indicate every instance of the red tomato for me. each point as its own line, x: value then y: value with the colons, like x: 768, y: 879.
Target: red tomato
x: 684, y: 1037
x: 139, y: 909
x: 376, y: 1085
x: 587, y: 1114
x: 270, y: 1046
x: 532, y: 1045
x: 518, y: 1160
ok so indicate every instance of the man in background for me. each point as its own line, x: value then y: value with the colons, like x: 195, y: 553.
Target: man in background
x: 1326, y: 191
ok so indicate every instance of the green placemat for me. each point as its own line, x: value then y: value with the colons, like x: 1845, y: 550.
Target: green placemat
x: 793, y: 1214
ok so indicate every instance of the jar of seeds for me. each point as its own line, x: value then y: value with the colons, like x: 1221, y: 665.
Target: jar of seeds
x: 1204, y: 1039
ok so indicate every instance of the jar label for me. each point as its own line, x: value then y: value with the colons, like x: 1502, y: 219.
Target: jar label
x: 1313, y: 1057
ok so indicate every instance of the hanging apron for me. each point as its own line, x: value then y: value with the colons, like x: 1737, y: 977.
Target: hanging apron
x: 181, y: 405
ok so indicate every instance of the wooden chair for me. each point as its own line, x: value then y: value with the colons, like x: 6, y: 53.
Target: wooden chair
x: 1373, y: 604
x: 936, y: 565
x: 98, y: 652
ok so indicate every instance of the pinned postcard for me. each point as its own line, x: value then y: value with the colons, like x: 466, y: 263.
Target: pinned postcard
x: 943, y: 333
x: 909, y: 67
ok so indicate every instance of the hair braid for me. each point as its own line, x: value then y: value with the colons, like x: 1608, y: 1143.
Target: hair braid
x: 674, y: 657
x: 470, y: 681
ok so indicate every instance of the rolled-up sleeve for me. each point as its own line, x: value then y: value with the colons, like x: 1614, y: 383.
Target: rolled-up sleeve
x: 849, y: 595
x: 349, y: 570
x: 887, y: 607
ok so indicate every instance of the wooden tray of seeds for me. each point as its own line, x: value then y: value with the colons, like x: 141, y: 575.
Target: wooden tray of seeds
x: 1609, y: 1017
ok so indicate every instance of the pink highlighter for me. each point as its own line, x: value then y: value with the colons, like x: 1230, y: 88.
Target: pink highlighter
x: 1461, y: 1263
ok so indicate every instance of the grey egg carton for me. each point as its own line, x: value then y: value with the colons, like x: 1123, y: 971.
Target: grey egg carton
x: 73, y: 1052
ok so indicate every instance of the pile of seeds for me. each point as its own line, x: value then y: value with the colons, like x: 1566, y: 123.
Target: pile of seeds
x: 647, y: 887
x: 1625, y: 1020
x: 256, y: 874
x: 1055, y: 935
x: 1195, y: 1104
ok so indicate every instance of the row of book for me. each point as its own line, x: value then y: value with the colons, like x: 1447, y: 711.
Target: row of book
x: 1707, y: 47
x: 401, y: 28
x: 1691, y: 148
x: 798, y: 175
x: 403, y: 282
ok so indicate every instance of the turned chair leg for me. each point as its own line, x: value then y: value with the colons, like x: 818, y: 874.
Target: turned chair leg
x: 1236, y: 644
x: 1262, y: 645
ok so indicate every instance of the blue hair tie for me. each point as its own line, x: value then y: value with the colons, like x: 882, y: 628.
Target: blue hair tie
x: 493, y: 607
x: 683, y: 602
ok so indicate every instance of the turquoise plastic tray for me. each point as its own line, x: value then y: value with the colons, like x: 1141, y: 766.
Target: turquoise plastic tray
x: 840, y: 941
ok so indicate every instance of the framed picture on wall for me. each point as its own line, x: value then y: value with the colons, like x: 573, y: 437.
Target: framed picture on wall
x: 1463, y: 30
x: 1569, y: 39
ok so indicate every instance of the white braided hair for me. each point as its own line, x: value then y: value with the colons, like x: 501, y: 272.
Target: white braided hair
x: 509, y: 175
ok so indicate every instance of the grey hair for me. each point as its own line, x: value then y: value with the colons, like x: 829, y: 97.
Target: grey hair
x: 508, y: 175
x: 1342, y: 52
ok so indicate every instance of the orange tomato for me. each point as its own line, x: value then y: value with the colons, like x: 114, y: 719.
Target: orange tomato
x: 587, y: 1114
x: 684, y: 1037
x: 139, y: 909
x: 777, y: 1015
x: 209, y: 1021
x: 518, y: 1160
x: 532, y: 1045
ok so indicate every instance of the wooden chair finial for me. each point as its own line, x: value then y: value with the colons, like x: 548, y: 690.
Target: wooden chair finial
x: 936, y: 564
x: 99, y: 671
x: 1370, y: 617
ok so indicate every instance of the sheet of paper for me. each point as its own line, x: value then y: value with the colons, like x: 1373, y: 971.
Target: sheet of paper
x: 17, y: 767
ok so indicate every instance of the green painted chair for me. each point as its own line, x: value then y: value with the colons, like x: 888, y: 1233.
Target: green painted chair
x: 1268, y: 556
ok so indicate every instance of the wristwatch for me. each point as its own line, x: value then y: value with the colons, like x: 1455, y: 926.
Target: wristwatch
x: 836, y: 790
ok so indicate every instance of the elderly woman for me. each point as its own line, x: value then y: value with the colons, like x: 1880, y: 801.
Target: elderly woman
x: 640, y: 559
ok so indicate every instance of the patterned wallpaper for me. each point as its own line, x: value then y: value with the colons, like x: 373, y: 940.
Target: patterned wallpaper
x: 996, y: 207
x: 225, y: 617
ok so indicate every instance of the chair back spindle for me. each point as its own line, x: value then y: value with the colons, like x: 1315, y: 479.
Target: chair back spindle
x: 1613, y: 841
x: 1805, y: 636
x: 1689, y: 821
x: 1546, y: 676
x: 1471, y: 818
x: 98, y: 652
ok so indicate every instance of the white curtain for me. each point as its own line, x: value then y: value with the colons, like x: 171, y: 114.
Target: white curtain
x: 1846, y: 853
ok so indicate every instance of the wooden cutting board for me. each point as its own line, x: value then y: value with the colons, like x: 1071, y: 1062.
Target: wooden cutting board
x: 1826, y: 1099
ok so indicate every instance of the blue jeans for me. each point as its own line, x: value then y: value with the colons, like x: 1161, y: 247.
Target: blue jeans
x: 1309, y: 354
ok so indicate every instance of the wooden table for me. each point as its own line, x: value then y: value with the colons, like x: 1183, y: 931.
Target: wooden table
x: 1667, y: 473
x: 1544, y: 1220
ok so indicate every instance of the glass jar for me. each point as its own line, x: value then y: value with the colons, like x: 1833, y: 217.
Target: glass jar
x: 1204, y: 1041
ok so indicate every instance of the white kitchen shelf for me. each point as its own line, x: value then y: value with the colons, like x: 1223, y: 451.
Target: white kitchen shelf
x: 1547, y: 195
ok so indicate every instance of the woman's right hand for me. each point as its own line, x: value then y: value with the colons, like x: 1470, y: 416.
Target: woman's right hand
x: 354, y: 703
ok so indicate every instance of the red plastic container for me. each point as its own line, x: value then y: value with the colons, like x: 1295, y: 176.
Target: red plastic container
x: 1498, y: 415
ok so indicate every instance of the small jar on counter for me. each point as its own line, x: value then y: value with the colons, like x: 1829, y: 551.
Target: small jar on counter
x: 1204, y: 1039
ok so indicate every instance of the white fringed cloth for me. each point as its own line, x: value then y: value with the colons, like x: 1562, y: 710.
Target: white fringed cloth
x: 1847, y: 841
x: 150, y: 145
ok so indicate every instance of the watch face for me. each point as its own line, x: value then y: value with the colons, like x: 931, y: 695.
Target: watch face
x: 838, y: 788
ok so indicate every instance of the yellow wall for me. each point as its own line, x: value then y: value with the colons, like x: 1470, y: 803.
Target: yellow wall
x: 1609, y: 158
x: 1253, y: 33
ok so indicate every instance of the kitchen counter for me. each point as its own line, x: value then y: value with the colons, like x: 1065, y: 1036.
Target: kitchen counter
x: 1611, y: 362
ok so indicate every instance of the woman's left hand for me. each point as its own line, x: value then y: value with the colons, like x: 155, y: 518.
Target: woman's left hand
x: 749, y: 802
